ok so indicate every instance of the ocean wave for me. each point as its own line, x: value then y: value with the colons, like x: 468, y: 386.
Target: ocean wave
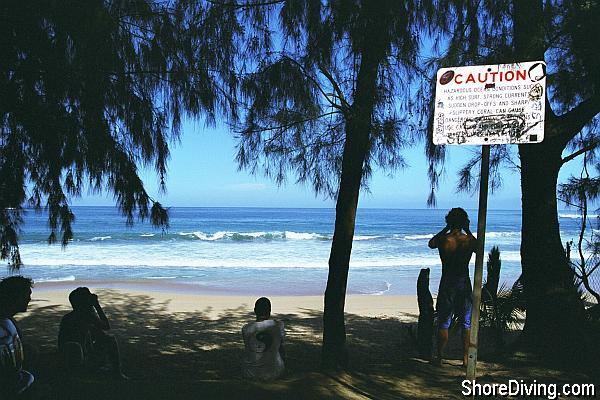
x: 165, y: 261
x: 514, y: 256
x: 365, y: 237
x: 502, y: 234
x: 487, y: 235
x: 415, y: 237
x: 247, y: 236
x: 139, y: 258
x: 304, y: 236
x: 101, y: 238
x: 68, y: 278
x: 289, y: 250
x: 160, y: 277
x: 203, y: 236
x: 576, y: 216
x: 147, y: 235
x: 388, y: 286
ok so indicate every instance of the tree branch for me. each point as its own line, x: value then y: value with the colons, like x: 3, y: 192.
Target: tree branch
x: 316, y: 83
x: 570, y: 123
x: 579, y: 152
x: 286, y: 126
x: 591, y: 271
x: 568, y: 203
x: 245, y: 5
x: 336, y: 87
x: 314, y: 143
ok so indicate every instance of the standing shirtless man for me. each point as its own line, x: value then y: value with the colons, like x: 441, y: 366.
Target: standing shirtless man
x: 456, y: 244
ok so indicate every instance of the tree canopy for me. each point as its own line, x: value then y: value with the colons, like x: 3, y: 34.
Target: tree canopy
x: 473, y: 33
x: 297, y: 99
x: 325, y: 95
x: 91, y: 91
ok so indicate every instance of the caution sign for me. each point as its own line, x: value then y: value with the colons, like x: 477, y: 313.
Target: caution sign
x: 490, y: 104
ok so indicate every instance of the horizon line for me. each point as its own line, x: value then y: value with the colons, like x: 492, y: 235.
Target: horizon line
x: 298, y: 208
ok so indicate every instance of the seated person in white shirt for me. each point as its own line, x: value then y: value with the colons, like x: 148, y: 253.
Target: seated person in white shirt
x: 263, y: 339
x: 15, y: 295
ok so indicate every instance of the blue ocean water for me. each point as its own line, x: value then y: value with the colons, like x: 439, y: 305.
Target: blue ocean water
x: 267, y: 251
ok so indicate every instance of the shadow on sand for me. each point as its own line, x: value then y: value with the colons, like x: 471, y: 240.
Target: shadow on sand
x: 196, y: 355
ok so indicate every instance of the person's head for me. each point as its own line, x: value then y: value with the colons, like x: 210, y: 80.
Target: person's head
x: 81, y: 298
x: 457, y: 218
x: 15, y: 294
x: 262, y: 308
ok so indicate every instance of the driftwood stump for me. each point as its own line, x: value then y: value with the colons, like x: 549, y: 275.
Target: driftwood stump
x: 426, y: 314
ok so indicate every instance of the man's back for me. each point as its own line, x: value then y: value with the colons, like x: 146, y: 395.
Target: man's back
x: 456, y: 249
x: 262, y: 358
x: 71, y: 329
x: 79, y: 327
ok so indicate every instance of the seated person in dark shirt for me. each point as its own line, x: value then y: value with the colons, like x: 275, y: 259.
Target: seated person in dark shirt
x: 81, y: 337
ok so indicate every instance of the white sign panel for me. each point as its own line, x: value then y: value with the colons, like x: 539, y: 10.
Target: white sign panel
x: 490, y: 104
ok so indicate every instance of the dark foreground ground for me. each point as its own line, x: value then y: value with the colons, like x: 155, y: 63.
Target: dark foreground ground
x: 193, y: 355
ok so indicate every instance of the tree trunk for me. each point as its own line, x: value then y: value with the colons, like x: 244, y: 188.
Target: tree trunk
x: 554, y: 310
x: 358, y: 126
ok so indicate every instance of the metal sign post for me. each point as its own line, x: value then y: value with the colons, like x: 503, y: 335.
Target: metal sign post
x: 481, y: 220
x: 487, y: 105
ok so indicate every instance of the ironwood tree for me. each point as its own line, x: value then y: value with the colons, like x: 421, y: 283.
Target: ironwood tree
x: 324, y: 97
x: 561, y: 33
x: 90, y: 91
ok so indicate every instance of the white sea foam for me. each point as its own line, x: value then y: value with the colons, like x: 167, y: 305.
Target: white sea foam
x: 415, y: 237
x: 364, y: 237
x: 242, y: 260
x: 169, y: 256
x: 60, y: 279
x: 493, y: 235
x: 147, y: 234
x: 96, y: 238
x: 254, y: 234
x: 303, y: 236
x: 160, y: 277
x: 512, y: 256
x: 512, y: 234
x: 205, y: 236
x: 228, y: 235
x: 576, y: 216
x: 382, y: 292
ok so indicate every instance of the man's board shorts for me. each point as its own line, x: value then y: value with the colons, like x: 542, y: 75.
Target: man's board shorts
x: 454, y: 299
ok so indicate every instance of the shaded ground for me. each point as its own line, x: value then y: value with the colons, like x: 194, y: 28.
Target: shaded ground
x: 191, y: 355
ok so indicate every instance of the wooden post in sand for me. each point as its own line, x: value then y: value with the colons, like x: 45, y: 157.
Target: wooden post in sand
x: 481, y: 220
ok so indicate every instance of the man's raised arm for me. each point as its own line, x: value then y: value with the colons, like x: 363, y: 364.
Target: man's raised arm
x: 102, y: 320
x: 472, y: 238
x: 433, y: 242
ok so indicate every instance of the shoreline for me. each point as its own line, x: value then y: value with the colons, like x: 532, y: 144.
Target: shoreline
x: 182, y: 286
x: 188, y: 298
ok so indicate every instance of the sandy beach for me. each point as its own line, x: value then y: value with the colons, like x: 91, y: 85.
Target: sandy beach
x: 177, y: 298
x: 182, y: 345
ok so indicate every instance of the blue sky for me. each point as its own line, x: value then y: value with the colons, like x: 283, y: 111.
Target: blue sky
x: 202, y: 172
